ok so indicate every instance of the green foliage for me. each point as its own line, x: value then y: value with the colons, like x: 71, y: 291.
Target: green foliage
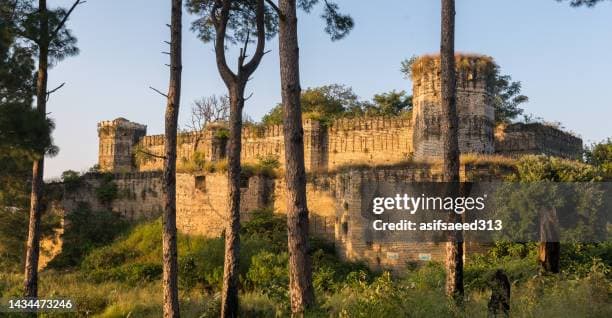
x: 107, y: 191
x: 389, y: 104
x: 63, y: 45
x: 86, y: 230
x: 507, y: 98
x: 326, y: 103
x: 543, y: 183
x: 13, y: 236
x: 600, y: 155
x: 544, y: 168
x: 16, y: 61
x: 266, y: 226
x: 580, y: 3
x: 323, y: 103
x: 266, y: 166
x: 241, y: 21
x: 269, y: 273
x: 222, y: 133
x: 71, y: 180
x: 241, y: 24
x: 140, y: 155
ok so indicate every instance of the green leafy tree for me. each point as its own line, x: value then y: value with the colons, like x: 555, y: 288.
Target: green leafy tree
x: 45, y: 31
x: 237, y: 23
x: 551, y: 200
x: 600, y: 155
x: 580, y: 3
x: 323, y: 103
x: 389, y: 104
x: 24, y: 132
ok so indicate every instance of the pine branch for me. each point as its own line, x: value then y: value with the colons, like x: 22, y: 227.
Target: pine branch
x: 63, y: 22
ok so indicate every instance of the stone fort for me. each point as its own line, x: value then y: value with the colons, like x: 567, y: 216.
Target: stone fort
x: 343, y: 159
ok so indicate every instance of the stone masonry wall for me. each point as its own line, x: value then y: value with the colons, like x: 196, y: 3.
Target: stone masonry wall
x: 353, y: 236
x: 474, y: 109
x: 138, y: 194
x: 520, y: 139
x: 202, y: 202
x: 371, y: 141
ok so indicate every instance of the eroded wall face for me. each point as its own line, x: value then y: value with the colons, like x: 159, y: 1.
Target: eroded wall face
x: 201, y: 207
x: 138, y: 194
x: 521, y: 139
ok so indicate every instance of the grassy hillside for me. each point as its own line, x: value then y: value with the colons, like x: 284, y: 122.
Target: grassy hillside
x: 122, y: 277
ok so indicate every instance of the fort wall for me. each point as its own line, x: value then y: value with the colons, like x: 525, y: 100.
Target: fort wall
x: 535, y: 138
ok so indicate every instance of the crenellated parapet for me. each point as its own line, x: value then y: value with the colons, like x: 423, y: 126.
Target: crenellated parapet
x: 372, y: 141
x: 536, y: 138
x: 368, y: 123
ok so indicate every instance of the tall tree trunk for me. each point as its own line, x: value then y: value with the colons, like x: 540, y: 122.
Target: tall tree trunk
x: 549, y: 250
x: 454, y: 248
x: 236, y: 83
x: 300, y: 273
x: 170, y: 271
x: 229, y: 301
x: 33, y: 244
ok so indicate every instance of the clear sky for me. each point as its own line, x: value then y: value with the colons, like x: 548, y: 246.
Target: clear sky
x: 561, y: 55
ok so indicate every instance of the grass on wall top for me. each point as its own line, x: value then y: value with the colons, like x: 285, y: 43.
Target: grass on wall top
x: 469, y: 66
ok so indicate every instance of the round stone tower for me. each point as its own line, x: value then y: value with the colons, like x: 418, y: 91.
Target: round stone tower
x: 117, y: 138
x: 475, y: 78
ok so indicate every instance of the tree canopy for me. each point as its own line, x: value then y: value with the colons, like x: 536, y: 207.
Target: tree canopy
x: 328, y: 102
x: 580, y: 3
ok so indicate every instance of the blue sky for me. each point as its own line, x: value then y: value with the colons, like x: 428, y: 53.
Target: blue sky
x: 561, y: 55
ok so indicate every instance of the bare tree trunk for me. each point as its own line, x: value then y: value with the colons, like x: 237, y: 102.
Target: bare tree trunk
x: 549, y: 250
x: 454, y: 248
x: 300, y: 273
x: 229, y: 304
x: 33, y: 244
x: 170, y: 253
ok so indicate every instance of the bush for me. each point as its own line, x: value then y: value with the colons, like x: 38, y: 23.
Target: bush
x: 269, y: 274
x: 86, y: 230
x: 71, y: 180
x: 107, y: 192
x: 268, y: 227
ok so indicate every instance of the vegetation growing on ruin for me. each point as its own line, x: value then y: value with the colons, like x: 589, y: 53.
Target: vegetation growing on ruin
x: 71, y: 180
x: 472, y: 67
x: 107, y: 191
x: 266, y: 166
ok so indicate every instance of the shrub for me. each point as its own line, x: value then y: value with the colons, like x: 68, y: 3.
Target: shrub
x: 269, y: 274
x: 107, y: 192
x: 71, y: 180
x: 86, y: 230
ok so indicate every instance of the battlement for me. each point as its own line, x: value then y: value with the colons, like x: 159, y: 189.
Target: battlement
x: 262, y: 131
x: 356, y: 141
x: 121, y: 123
x: 537, y: 138
x: 368, y: 123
